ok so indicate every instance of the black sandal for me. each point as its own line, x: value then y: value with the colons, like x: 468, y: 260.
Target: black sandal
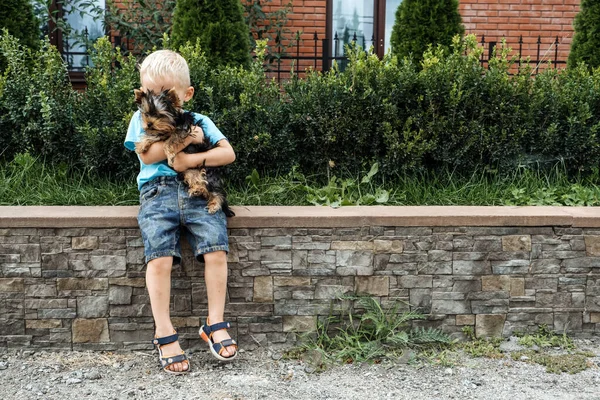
x: 165, y: 362
x: 206, y: 332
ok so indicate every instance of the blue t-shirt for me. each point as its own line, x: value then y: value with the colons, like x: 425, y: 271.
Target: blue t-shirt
x: 161, y: 168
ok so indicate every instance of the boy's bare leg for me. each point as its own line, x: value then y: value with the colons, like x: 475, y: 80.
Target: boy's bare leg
x: 158, y: 283
x: 215, y: 275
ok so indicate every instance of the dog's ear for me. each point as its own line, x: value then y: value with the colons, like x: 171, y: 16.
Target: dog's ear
x: 172, y: 96
x: 139, y: 95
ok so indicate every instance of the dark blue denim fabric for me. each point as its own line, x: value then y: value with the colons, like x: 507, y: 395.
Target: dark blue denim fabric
x: 165, y: 208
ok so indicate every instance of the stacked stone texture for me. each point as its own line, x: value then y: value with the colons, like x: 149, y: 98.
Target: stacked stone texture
x: 85, y: 289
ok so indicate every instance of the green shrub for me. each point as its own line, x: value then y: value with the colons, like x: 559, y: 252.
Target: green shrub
x: 586, y: 40
x: 268, y: 25
x: 37, y: 104
x: 565, y: 118
x: 247, y: 109
x: 421, y: 23
x: 18, y: 18
x: 474, y: 116
x: 356, y: 117
x: 142, y: 21
x: 104, y: 111
x: 450, y: 114
x: 220, y: 27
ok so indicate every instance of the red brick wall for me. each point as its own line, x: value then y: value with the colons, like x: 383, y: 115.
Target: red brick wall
x: 530, y: 18
x: 308, y: 17
x: 493, y: 18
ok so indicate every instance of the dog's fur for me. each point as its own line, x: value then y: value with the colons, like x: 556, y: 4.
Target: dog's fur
x: 164, y: 120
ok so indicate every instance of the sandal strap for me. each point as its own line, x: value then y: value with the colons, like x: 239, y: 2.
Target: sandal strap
x: 166, y: 361
x: 166, y: 339
x: 228, y: 342
x: 216, y: 327
x: 225, y: 343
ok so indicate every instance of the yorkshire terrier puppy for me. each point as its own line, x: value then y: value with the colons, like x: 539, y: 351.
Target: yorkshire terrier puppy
x: 164, y: 120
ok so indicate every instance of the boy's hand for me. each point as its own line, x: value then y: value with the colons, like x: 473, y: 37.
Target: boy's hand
x: 197, y: 135
x: 182, y: 162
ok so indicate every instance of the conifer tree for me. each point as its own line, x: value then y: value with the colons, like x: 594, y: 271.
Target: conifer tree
x: 420, y: 23
x: 586, y: 40
x: 18, y: 18
x: 220, y: 26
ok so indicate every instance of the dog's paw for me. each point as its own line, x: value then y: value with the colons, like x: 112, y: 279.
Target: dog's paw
x: 213, y: 207
x: 212, y: 210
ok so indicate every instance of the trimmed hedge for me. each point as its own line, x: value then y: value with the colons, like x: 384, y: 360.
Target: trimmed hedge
x: 448, y: 113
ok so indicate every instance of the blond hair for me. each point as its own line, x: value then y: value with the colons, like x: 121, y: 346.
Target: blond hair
x: 166, y: 65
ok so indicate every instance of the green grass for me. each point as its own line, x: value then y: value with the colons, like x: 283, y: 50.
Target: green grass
x: 27, y: 181
x: 522, y: 187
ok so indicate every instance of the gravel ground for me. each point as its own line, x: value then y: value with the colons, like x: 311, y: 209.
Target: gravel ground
x: 263, y: 374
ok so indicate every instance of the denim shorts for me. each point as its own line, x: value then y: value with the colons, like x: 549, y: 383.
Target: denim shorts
x: 166, y: 208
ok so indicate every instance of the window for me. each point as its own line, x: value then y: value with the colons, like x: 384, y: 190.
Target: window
x: 369, y: 22
x: 391, y: 7
x: 73, y: 26
x: 85, y: 26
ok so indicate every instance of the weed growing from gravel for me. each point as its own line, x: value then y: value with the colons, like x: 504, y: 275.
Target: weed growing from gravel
x: 481, y: 347
x: 443, y: 358
x: 368, y: 332
x: 539, y: 343
x: 489, y: 348
x: 555, y: 363
x: 544, y: 338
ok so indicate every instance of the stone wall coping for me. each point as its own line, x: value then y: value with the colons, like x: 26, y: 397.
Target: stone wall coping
x: 314, y: 216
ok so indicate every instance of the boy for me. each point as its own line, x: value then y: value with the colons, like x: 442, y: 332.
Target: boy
x: 165, y: 205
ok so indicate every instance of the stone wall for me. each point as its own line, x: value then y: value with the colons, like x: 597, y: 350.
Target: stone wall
x: 73, y: 278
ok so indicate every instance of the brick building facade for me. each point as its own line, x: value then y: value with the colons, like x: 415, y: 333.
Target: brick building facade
x: 531, y: 19
x: 543, y: 20
x: 546, y: 26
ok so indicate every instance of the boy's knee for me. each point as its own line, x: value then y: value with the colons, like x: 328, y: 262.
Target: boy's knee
x: 161, y: 264
x: 216, y: 257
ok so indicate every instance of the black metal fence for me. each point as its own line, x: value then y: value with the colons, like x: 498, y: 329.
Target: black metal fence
x: 330, y: 50
x: 543, y: 55
x: 326, y: 51
x: 76, y: 51
x: 286, y: 55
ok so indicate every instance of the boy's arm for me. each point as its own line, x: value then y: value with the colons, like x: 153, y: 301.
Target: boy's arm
x: 156, y: 151
x: 218, y: 156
